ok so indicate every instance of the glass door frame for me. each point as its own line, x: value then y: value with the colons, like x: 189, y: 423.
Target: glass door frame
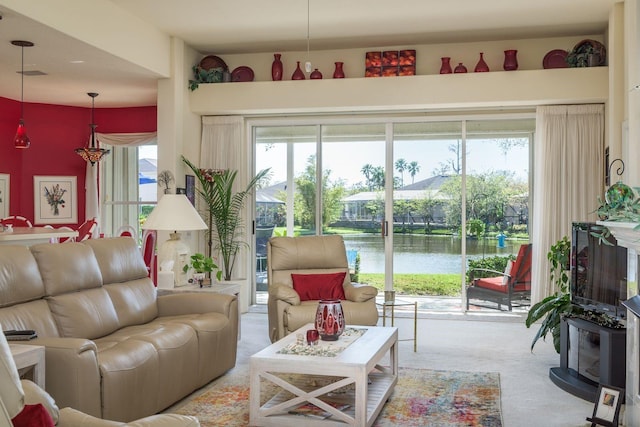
x: 389, y: 120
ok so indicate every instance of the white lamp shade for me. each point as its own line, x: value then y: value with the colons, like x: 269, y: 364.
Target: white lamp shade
x: 174, y: 212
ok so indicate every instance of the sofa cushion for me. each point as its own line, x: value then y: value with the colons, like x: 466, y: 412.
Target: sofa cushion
x: 67, y: 268
x: 134, y: 301
x: 30, y: 315
x: 32, y: 416
x: 319, y: 286
x: 89, y: 314
x: 20, y: 279
x: 119, y: 259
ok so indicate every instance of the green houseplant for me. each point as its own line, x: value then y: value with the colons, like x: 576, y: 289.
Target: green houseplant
x: 553, y: 307
x: 223, y: 211
x: 202, y: 264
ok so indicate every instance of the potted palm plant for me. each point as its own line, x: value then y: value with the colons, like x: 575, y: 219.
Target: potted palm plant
x: 222, y: 211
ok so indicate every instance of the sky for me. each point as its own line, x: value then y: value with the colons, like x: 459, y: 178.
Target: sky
x: 347, y: 159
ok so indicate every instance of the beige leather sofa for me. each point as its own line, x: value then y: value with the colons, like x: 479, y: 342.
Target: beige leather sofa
x: 311, y: 255
x: 16, y: 393
x: 114, y: 349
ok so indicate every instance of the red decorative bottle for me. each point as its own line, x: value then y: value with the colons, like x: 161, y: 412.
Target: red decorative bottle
x: 338, y: 73
x: 298, y: 74
x: 460, y: 68
x: 315, y: 75
x: 445, y: 68
x: 276, y: 68
x: 481, y: 66
x: 510, y: 60
x: 329, y: 319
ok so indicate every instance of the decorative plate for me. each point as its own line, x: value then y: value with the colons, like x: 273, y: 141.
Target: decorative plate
x: 556, y: 58
x: 212, y: 61
x: 242, y: 74
x: 588, y: 46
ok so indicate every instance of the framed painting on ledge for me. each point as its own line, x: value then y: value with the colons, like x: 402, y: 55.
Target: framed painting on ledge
x: 55, y: 200
x: 4, y: 194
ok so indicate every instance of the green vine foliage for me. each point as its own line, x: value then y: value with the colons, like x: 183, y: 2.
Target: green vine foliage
x: 620, y: 205
x: 557, y: 305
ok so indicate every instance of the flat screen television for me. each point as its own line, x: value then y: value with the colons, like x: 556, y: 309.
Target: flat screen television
x: 598, y: 271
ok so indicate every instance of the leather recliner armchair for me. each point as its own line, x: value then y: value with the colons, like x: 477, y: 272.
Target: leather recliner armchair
x: 311, y: 255
x: 16, y: 393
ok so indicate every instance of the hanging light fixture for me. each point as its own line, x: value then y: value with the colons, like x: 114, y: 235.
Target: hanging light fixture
x: 21, y: 140
x: 307, y: 65
x: 92, y: 153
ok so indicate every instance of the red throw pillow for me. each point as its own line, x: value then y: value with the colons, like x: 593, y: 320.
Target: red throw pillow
x: 33, y: 416
x: 319, y: 286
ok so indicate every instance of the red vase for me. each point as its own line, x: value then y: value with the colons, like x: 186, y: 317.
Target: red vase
x: 315, y: 75
x: 298, y: 74
x: 510, y: 60
x: 276, y: 68
x: 481, y: 66
x: 445, y: 68
x: 338, y: 73
x: 460, y: 68
x: 329, y: 319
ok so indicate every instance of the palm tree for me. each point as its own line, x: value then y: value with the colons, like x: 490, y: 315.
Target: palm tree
x: 367, y: 170
x: 401, y: 166
x: 413, y: 169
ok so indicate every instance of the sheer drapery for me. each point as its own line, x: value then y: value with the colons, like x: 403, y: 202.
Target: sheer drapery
x: 222, y: 143
x: 127, y: 139
x: 223, y: 147
x: 568, y: 177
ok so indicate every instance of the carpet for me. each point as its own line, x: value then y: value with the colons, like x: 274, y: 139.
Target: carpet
x: 422, y: 397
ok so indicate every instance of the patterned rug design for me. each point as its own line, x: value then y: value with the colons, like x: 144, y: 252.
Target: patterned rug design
x: 422, y: 397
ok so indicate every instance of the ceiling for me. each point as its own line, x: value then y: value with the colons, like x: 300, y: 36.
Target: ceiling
x: 251, y: 26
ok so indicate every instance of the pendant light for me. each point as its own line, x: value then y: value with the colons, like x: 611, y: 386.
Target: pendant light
x: 92, y: 153
x: 21, y: 140
x: 307, y: 65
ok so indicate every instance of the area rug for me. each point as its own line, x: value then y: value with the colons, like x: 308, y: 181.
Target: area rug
x: 421, y: 398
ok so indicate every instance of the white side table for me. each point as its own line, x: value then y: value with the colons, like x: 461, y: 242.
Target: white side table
x: 30, y: 361
x: 232, y: 289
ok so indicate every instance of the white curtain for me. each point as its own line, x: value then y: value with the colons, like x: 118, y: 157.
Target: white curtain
x: 568, y: 178
x: 222, y: 143
x: 223, y: 147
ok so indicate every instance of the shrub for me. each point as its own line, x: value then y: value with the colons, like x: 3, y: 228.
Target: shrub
x: 497, y: 263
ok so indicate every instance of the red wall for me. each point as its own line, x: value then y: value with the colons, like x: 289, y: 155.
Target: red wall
x: 55, y: 131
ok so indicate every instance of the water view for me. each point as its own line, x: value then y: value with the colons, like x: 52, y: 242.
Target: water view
x: 423, y: 253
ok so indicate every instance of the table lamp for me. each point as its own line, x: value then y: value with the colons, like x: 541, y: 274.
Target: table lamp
x: 172, y: 213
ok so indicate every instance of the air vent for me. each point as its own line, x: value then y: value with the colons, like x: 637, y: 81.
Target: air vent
x: 32, y: 73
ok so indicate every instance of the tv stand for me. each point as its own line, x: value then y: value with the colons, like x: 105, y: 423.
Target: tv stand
x: 590, y: 355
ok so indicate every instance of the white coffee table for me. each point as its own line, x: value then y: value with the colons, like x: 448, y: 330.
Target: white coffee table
x: 364, y: 383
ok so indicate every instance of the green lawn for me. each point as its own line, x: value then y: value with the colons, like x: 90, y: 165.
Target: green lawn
x: 417, y: 284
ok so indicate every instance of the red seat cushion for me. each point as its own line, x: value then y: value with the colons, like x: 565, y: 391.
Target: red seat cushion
x: 493, y: 283
x: 319, y: 286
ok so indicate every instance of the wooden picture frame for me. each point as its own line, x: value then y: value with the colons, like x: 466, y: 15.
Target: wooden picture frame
x: 190, y: 188
x: 607, y: 407
x: 55, y: 200
x: 5, y: 192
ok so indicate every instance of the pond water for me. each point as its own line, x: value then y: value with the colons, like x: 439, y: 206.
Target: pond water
x: 423, y: 254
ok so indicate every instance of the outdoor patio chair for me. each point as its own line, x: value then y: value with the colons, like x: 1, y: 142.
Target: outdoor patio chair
x: 505, y: 288
x: 303, y: 270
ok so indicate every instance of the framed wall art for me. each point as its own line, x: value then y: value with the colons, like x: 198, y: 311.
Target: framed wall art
x: 5, y: 189
x: 55, y: 199
x: 607, y: 406
x: 190, y: 190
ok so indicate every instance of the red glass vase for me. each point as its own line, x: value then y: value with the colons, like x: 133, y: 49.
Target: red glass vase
x: 510, y: 60
x: 276, y: 68
x: 481, y: 66
x: 460, y: 68
x: 298, y: 74
x: 445, y: 68
x: 338, y: 73
x: 315, y: 74
x: 329, y: 319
